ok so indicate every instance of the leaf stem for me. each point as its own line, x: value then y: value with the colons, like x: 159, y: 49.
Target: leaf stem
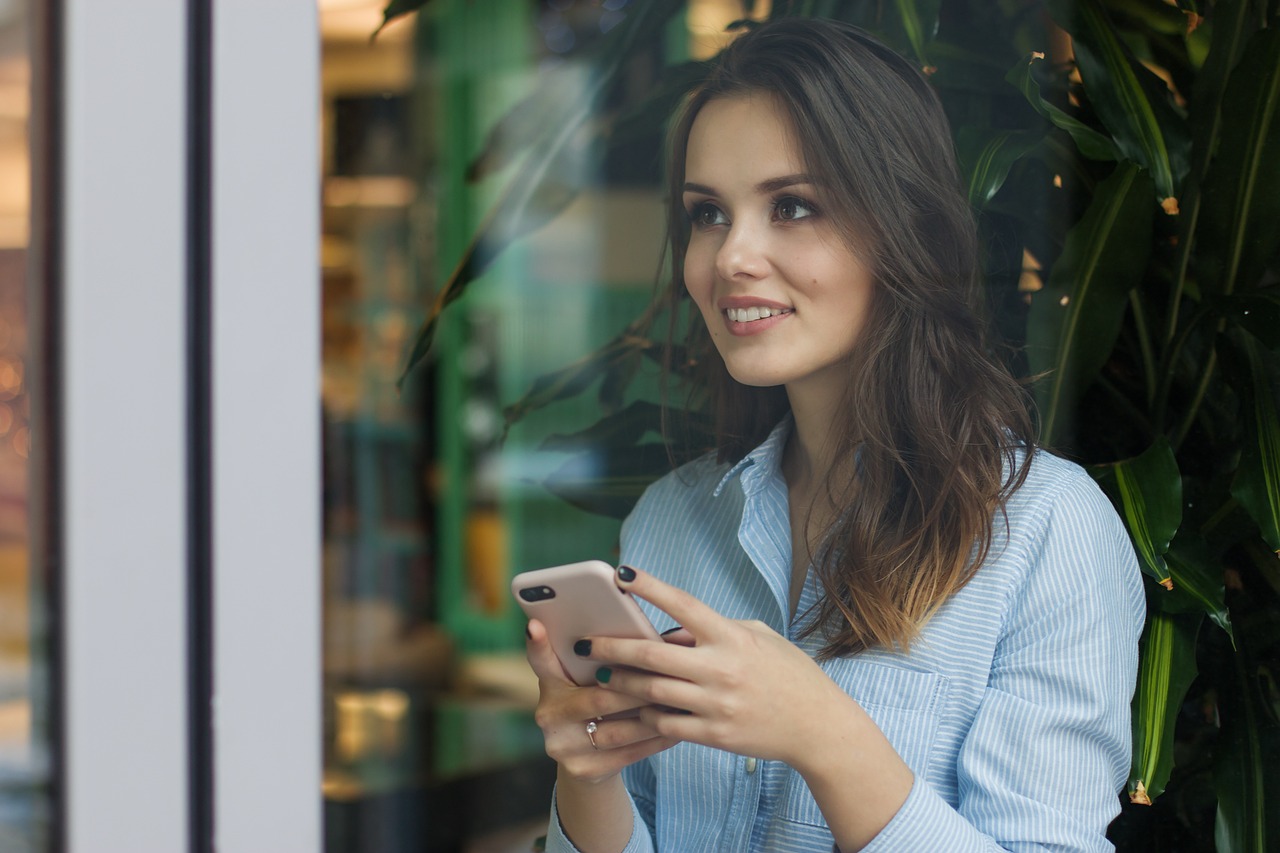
x: 1192, y: 214
x: 1144, y: 343
x: 1194, y: 409
x: 1171, y: 367
x: 1131, y: 411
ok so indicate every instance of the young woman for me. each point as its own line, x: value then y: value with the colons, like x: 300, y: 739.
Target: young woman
x: 900, y: 627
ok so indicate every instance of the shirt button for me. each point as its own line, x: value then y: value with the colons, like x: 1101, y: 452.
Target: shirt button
x: 751, y: 765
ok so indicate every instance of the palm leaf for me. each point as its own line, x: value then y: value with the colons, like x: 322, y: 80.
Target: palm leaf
x: 1197, y: 581
x: 1150, y: 491
x: 1132, y: 102
x: 1091, y: 143
x: 1247, y: 772
x: 1257, y: 482
x: 989, y: 160
x: 920, y: 22
x: 1241, y: 191
x: 1075, y: 319
x: 1166, y: 669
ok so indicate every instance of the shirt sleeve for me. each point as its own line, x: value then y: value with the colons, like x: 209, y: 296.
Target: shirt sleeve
x: 1049, y: 747
x: 640, y: 842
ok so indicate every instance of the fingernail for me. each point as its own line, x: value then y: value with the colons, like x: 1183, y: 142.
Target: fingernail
x: 626, y: 574
x: 671, y: 630
x: 582, y: 648
x: 528, y: 635
x: 603, y: 674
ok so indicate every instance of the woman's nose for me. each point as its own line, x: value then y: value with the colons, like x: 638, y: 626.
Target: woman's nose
x: 742, y: 254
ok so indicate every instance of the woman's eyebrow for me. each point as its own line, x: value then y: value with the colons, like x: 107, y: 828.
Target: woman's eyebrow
x: 771, y: 185
x: 774, y: 184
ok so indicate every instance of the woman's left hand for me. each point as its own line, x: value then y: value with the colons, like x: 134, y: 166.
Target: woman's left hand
x: 742, y: 687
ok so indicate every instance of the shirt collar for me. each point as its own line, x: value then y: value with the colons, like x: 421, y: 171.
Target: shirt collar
x: 764, y: 461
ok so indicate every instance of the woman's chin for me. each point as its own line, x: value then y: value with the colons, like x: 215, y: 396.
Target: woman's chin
x: 757, y: 378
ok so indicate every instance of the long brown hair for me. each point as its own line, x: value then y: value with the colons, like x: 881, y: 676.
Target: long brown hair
x: 933, y: 426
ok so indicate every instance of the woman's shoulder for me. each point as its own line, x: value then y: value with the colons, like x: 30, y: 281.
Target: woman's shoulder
x: 1052, y: 481
x: 1063, y: 523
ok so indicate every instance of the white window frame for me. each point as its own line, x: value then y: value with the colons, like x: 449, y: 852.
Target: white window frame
x: 125, y: 440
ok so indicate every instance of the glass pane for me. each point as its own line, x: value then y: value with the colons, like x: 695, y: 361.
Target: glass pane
x: 429, y: 508
x: 24, y: 797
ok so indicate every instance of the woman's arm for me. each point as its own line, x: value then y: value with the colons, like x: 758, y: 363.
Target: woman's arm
x: 746, y: 689
x: 592, y: 812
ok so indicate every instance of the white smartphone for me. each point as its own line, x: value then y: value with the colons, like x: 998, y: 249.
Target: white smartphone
x: 580, y: 600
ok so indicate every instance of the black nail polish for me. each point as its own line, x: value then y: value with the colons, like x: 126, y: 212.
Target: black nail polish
x: 671, y: 630
x: 582, y: 648
x: 603, y: 674
x: 626, y: 574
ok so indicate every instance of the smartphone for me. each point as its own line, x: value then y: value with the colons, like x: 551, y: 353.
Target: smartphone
x: 580, y: 600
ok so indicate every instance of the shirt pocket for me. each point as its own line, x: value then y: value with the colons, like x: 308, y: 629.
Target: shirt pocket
x: 905, y: 704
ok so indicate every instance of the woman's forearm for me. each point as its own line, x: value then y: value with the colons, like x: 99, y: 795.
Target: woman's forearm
x: 596, y: 816
x: 856, y: 778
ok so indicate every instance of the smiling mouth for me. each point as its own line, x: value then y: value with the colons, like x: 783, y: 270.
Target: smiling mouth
x: 748, y: 315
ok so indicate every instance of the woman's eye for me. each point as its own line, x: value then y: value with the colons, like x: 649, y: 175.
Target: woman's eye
x: 706, y: 215
x: 790, y: 208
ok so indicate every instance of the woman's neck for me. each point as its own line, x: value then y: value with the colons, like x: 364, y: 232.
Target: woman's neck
x: 813, y: 451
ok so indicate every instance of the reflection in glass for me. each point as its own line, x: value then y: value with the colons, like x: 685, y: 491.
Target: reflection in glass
x: 431, y: 503
x: 24, y: 804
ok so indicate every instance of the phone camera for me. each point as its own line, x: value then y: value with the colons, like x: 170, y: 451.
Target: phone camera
x: 537, y: 593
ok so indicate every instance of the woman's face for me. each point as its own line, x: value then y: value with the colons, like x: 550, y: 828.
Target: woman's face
x: 781, y: 293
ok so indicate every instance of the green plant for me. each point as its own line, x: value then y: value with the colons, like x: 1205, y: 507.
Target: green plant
x: 1124, y: 159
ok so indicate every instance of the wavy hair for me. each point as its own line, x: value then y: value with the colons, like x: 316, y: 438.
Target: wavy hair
x: 933, y: 426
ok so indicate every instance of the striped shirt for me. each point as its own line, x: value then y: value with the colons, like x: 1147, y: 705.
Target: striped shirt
x: 1011, y: 708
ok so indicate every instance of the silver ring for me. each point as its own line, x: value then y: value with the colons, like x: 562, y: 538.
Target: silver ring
x: 591, y: 733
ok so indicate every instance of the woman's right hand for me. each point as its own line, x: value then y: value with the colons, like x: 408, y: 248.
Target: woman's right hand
x: 564, y: 710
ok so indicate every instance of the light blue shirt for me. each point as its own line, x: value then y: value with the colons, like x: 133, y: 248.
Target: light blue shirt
x: 1011, y: 707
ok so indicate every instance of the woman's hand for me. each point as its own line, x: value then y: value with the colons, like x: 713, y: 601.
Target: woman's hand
x: 564, y: 710
x: 742, y: 687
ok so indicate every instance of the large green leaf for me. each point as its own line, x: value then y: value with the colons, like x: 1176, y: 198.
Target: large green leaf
x: 1131, y: 101
x: 1149, y: 488
x: 1257, y: 482
x: 920, y: 22
x: 1091, y: 143
x: 1197, y: 581
x: 1075, y: 319
x: 1247, y: 777
x: 1232, y: 26
x: 1166, y: 668
x: 988, y: 159
x: 1246, y: 772
x: 1238, y: 236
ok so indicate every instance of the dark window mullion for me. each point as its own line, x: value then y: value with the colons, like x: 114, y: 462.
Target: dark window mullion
x: 199, y: 423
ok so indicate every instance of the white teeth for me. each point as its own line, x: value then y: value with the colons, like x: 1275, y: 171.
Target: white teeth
x: 747, y: 315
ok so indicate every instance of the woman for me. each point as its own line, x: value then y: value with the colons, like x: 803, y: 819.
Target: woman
x: 899, y: 627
